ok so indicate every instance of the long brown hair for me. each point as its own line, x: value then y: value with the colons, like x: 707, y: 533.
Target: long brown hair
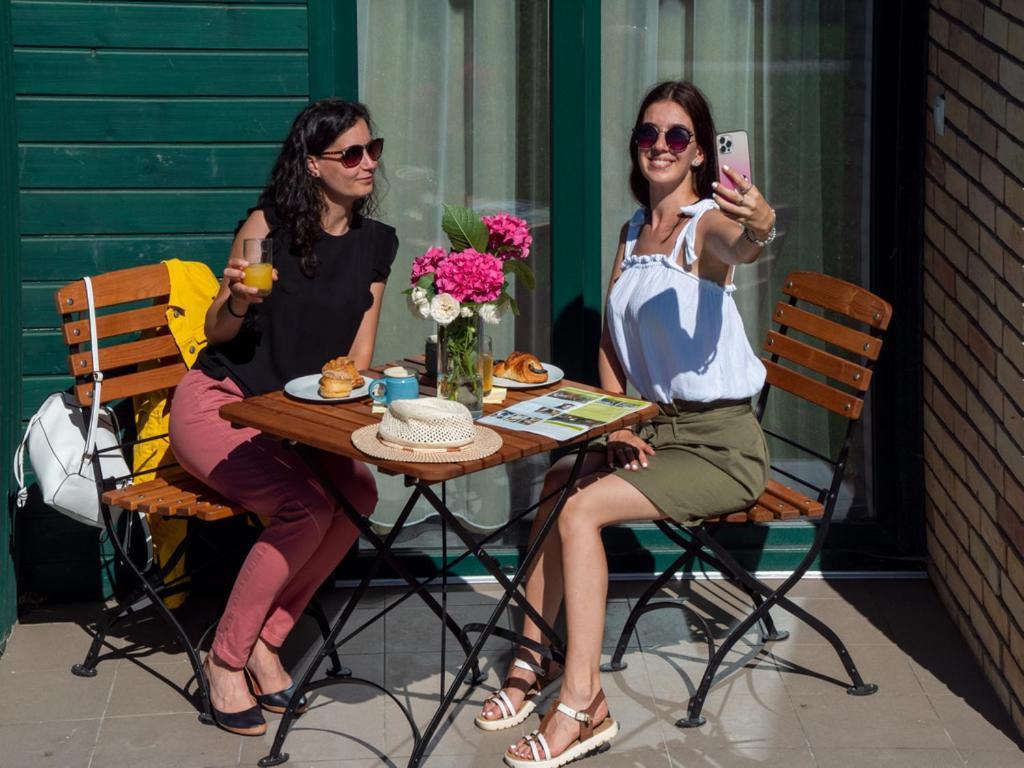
x: 689, y: 97
x: 293, y: 192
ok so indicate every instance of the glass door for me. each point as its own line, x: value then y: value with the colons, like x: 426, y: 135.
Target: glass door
x: 459, y: 90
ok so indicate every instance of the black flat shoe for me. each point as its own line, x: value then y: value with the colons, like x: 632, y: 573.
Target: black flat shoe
x: 276, y: 702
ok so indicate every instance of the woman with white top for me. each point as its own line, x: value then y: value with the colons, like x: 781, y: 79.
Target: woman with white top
x: 673, y: 331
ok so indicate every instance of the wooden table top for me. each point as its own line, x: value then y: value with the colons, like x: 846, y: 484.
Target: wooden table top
x: 329, y: 426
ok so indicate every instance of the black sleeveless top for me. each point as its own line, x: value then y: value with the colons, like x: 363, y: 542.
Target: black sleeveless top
x: 305, y: 322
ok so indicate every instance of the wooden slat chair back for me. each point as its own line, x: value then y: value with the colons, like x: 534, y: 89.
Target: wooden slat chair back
x: 834, y: 373
x: 823, y: 352
x: 137, y: 355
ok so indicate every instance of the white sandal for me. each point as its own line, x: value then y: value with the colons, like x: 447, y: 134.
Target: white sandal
x: 592, y: 737
x: 509, y: 716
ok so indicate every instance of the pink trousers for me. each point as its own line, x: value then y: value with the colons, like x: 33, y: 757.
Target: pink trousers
x: 308, y: 534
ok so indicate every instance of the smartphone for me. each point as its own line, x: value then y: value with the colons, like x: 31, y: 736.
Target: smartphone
x: 734, y: 151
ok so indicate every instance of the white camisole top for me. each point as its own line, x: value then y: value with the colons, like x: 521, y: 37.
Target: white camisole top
x: 679, y: 337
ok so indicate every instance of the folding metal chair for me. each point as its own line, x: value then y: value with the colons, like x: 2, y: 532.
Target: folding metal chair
x: 137, y: 355
x: 840, y: 365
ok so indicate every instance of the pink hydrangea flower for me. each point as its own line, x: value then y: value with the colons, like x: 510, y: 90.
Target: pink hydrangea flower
x: 427, y: 263
x: 470, y: 276
x: 509, y: 236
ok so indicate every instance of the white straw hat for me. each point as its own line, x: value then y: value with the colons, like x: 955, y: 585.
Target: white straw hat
x: 426, y: 430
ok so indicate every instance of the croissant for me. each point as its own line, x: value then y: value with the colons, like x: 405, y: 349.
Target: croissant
x: 343, y: 368
x: 521, y: 366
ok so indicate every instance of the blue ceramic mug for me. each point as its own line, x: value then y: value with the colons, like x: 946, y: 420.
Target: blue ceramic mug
x: 397, y: 384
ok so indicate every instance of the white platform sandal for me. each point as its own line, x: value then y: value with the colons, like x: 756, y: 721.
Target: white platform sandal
x: 509, y: 716
x: 592, y: 737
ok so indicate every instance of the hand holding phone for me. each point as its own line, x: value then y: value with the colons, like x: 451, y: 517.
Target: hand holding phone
x: 734, y: 151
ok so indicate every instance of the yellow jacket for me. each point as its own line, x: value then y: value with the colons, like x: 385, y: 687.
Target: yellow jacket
x: 193, y: 289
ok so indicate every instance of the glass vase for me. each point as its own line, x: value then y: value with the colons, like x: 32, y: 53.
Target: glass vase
x: 459, y: 348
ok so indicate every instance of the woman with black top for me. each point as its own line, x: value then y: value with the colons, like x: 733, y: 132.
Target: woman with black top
x: 331, y: 266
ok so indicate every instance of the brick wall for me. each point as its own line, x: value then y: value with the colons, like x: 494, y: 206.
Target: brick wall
x: 974, y: 331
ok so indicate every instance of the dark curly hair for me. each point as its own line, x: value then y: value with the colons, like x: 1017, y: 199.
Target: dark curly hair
x: 689, y: 97
x: 293, y: 192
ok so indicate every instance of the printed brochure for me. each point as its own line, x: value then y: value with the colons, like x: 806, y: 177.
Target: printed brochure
x: 563, y: 414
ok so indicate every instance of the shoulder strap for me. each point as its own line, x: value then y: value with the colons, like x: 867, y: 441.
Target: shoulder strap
x: 688, y: 236
x: 636, y: 222
x: 97, y: 375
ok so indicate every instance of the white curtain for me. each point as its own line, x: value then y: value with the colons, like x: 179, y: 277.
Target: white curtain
x: 443, y: 80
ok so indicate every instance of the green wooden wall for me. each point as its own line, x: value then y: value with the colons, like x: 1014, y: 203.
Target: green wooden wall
x: 10, y: 328
x: 144, y: 131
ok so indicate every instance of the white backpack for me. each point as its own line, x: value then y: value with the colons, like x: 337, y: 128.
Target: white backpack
x: 65, y: 449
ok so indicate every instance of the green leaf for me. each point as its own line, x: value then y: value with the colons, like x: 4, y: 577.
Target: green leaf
x: 464, y: 228
x: 426, y: 282
x: 522, y: 272
x: 514, y: 305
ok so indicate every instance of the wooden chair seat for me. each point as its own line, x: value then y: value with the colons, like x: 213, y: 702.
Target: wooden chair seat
x: 174, y: 494
x: 778, y: 502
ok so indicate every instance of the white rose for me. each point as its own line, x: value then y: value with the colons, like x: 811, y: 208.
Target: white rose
x: 418, y: 295
x: 423, y: 307
x: 444, y: 308
x: 466, y: 312
x: 490, y: 313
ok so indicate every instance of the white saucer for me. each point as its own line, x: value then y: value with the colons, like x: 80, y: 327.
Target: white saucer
x: 308, y: 388
x: 554, y: 374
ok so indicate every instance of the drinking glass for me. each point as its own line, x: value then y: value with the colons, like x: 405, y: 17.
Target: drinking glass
x: 487, y: 364
x: 259, y: 252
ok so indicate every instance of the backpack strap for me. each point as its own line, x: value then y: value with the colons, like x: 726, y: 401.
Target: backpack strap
x: 19, y: 462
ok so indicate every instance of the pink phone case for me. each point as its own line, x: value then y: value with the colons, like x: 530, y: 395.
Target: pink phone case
x: 734, y: 151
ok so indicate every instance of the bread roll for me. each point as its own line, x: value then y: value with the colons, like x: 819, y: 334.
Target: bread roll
x: 521, y: 366
x: 334, y: 384
x: 343, y: 368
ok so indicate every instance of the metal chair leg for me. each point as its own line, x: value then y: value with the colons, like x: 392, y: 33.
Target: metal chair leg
x: 639, y: 610
x: 691, y: 544
x: 111, y: 617
x: 316, y: 611
x: 203, y: 689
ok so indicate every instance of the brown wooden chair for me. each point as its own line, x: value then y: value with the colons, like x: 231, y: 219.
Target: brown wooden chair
x: 137, y: 355
x: 836, y: 375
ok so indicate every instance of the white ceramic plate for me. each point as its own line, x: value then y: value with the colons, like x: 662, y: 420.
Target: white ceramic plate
x: 308, y: 388
x: 554, y: 374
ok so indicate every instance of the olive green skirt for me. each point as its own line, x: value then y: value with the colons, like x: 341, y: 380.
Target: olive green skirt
x: 709, y: 459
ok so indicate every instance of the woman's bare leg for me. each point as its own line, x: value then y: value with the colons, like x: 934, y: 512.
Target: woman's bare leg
x: 601, y: 501
x: 544, y: 580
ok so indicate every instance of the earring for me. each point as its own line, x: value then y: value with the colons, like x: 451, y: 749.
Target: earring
x: 695, y: 164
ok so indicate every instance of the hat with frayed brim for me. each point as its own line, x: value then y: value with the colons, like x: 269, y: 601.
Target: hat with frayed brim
x: 366, y: 439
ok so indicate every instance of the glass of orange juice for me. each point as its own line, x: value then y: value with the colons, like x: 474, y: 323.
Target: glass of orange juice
x: 259, y: 252
x: 487, y: 364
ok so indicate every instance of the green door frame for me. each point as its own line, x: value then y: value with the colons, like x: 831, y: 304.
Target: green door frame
x: 333, y: 49
x: 10, y: 325
x: 575, y: 94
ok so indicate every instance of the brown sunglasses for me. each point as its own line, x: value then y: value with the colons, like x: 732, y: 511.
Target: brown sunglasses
x: 352, y: 156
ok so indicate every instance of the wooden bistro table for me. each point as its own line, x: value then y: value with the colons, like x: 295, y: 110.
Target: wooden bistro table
x: 329, y: 427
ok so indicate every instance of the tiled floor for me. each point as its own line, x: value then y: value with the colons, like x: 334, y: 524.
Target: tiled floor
x: 784, y: 707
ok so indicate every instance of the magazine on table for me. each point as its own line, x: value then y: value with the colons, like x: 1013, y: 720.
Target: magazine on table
x: 564, y: 414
